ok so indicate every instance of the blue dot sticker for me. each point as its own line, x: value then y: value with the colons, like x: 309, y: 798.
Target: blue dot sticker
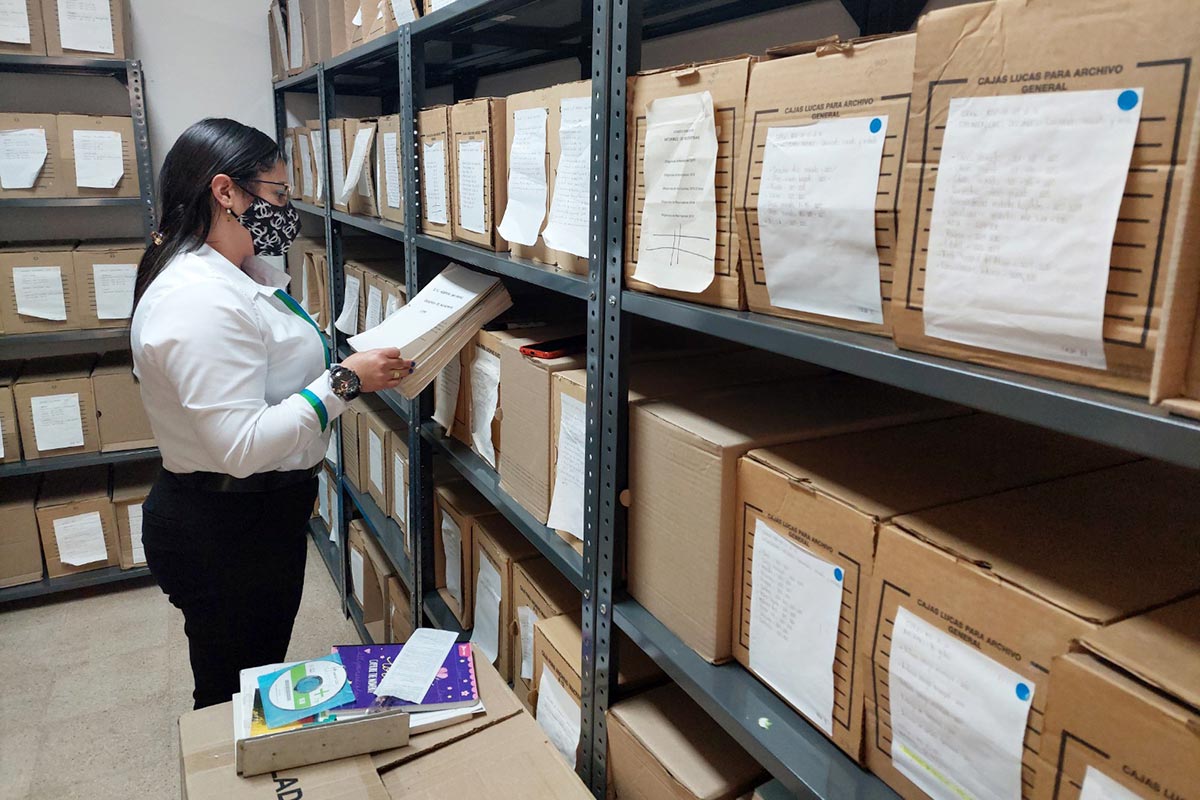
x: 1023, y: 692
x: 1127, y: 100
x: 837, y: 573
x: 876, y: 125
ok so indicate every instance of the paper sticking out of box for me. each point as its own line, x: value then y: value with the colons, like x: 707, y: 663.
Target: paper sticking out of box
x: 471, y: 189
x: 391, y: 171
x: 80, y: 539
x: 445, y: 394
x: 1098, y: 786
x: 566, y: 503
x: 318, y: 148
x: 347, y: 321
x: 558, y: 714
x: 374, y: 314
x: 306, y: 167
x: 527, y: 189
x: 337, y: 158
x: 567, y: 229
x: 433, y: 181
x: 486, y: 633
x: 400, y: 490
x: 358, y: 159
x: 414, y: 670
x: 22, y: 155
x: 526, y: 617
x: 295, y: 49
x: 402, y: 11
x: 86, y: 25
x: 485, y: 394
x: 678, y: 242
x: 14, y: 22
x: 57, y: 421
x: 99, y: 158
x: 39, y: 292
x: 1022, y: 228
x: 134, y: 514
x: 452, y: 550
x: 114, y: 286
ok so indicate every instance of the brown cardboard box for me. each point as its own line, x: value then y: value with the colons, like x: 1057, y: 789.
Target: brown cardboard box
x: 295, y: 167
x: 460, y: 427
x: 277, y: 41
x: 306, y: 163
x: 400, y: 619
x: 335, y: 24
x: 36, y: 46
x: 564, y: 261
x: 349, y: 433
x: 662, y: 746
x: 320, y: 180
x: 20, y: 547
x: 10, y: 436
x: 389, y: 172
x: 368, y: 586
x: 68, y: 124
x: 356, y: 300
x: 131, y: 484
x: 484, y: 358
x: 480, y: 120
x: 120, y: 48
x: 58, y: 387
x: 457, y: 506
x: 362, y: 199
x: 73, y: 507
x: 295, y: 258
x: 398, y: 479
x: 121, y: 417
x: 683, y: 484
x: 503, y: 547
x: 1155, y: 249
x: 539, y: 587
x: 1013, y: 578
x: 370, y: 313
x: 433, y: 134
x: 318, y: 30
x: 538, y: 98
x: 379, y: 571
x: 829, y: 498
x: 115, y: 264
x: 376, y: 426
x: 339, y: 153
x: 316, y: 288
x: 37, y: 255
x: 49, y: 181
x: 726, y: 81
x: 821, y: 80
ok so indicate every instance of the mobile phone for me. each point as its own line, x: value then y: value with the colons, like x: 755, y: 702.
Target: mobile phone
x: 555, y: 348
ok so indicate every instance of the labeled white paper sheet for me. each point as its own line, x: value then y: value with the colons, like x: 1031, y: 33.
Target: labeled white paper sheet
x: 337, y: 163
x: 306, y: 169
x: 958, y: 716
x: 402, y: 11
x: 393, y: 304
x: 375, y: 459
x: 39, y: 292
x: 22, y: 155
x: 400, y: 488
x: 1028, y: 192
x: 795, y: 606
x: 433, y: 181
x: 358, y: 159
x: 391, y: 168
x: 80, y: 539
x: 318, y: 147
x: 1098, y: 786
x: 558, y: 714
x: 526, y: 616
x: 134, y: 515
x: 567, y: 229
x: 486, y: 635
x: 471, y: 189
x: 295, y: 35
x: 114, y: 284
x: 452, y: 551
x: 57, y: 421
x: 356, y: 21
x: 323, y: 499
x: 445, y: 394
x: 413, y: 671
x: 99, y: 161
x: 356, y: 574
x: 526, y: 209
x: 86, y: 25
x: 374, y: 314
x: 566, y: 503
x: 678, y: 244
x: 347, y: 321
x: 14, y: 22
x: 816, y: 217
x: 485, y: 394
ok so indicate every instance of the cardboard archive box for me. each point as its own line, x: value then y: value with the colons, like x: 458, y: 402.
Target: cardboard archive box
x: 540, y: 592
x: 436, y: 164
x: 320, y: 162
x: 398, y: 479
x: 76, y: 33
x: 349, y: 434
x: 304, y: 287
x: 354, y: 293
x: 32, y: 267
x: 1009, y: 47
x: 316, y: 287
x: 127, y: 185
x: 400, y: 618
x: 295, y: 162
x: 824, y: 502
x: 483, y: 368
x: 726, y: 81
x: 277, y: 41
x: 377, y: 426
x: 306, y: 163
x: 1124, y: 711
x: 48, y: 180
x: 867, y: 78
x: 339, y: 154
x: 988, y: 592
x: 105, y: 273
x: 10, y: 430
x: 369, y: 572
x: 389, y: 172
x: 457, y: 506
x: 478, y: 125
x: 131, y: 484
x: 458, y: 410
x: 370, y: 312
x: 20, y: 547
x: 121, y: 417
x: 76, y: 521
x: 56, y: 408
x: 362, y: 198
x: 36, y: 46
x: 499, y: 547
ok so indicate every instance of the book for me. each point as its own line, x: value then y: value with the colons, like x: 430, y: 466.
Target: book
x: 303, y: 690
x: 454, y: 687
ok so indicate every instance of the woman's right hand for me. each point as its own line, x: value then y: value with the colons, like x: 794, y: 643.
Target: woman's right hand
x: 379, y: 369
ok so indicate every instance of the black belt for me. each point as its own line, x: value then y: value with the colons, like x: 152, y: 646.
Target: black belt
x: 259, y: 482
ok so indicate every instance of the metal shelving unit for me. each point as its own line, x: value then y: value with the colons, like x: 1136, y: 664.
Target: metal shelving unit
x: 67, y: 583
x: 384, y: 529
x: 61, y: 343
x: 356, y: 614
x: 441, y: 617
x: 330, y: 553
x: 57, y: 463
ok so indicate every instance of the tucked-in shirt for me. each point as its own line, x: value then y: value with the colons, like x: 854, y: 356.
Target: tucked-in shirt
x: 234, y: 374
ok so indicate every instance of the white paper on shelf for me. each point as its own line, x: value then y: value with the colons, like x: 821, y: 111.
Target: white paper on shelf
x: 347, y: 321
x: 337, y: 163
x: 678, y: 245
x: 400, y: 488
x: 526, y: 616
x: 14, y: 22
x: 357, y: 564
x: 795, y: 607
x: 318, y: 147
x: 86, y: 25
x: 374, y: 306
x: 433, y: 181
x: 323, y: 498
x: 1098, y: 786
x: 134, y: 513
x: 567, y: 229
x: 331, y: 451
x: 1028, y: 192
x: 526, y: 209
x: 358, y: 159
x: 452, y: 550
x: 80, y: 539
x: 816, y: 217
x: 289, y: 150
x: 566, y: 503
x: 445, y: 394
x: 486, y: 635
x: 402, y: 11
x: 280, y: 33
x: 1, y: 438
x: 558, y: 714
x: 485, y: 394
x: 99, y: 160
x: 357, y: 20
x: 413, y: 671
x: 114, y: 284
x: 22, y: 155
x: 295, y: 35
x: 57, y: 421
x: 393, y: 305
x: 306, y: 170
x: 958, y: 716
x: 391, y: 162
x: 375, y: 459
x: 446, y: 296
x: 39, y: 292
x: 471, y: 187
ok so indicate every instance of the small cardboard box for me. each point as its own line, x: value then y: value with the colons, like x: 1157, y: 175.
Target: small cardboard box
x: 503, y: 547
x: 474, y: 124
x: 51, y: 395
x: 104, y: 276
x: 367, y: 586
x: 1014, y: 578
x: 121, y: 417
x: 456, y: 507
x: 113, y: 36
x: 10, y: 435
x: 68, y: 124
x: 433, y: 134
x: 339, y: 154
x: 398, y: 479
x: 20, y: 547
x: 38, y: 257
x: 540, y: 592
x: 662, y: 746
x: 400, y: 618
x: 49, y: 182
x: 36, y: 46
x: 349, y: 434
x: 389, y: 170
x: 131, y: 484
x: 869, y: 77
x: 76, y: 521
x: 726, y: 81
x: 377, y: 424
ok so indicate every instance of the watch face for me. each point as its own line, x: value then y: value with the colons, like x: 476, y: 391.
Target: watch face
x: 345, y: 382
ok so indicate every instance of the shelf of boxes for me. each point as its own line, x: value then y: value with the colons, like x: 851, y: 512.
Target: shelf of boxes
x: 384, y: 529
x: 330, y: 552
x: 62, y: 343
x: 356, y: 615
x: 56, y: 463
x: 506, y: 266
x: 67, y: 583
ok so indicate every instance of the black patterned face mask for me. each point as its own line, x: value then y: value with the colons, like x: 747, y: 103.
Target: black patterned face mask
x: 273, y: 228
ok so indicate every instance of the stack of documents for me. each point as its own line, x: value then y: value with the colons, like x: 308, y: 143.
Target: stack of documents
x: 437, y: 323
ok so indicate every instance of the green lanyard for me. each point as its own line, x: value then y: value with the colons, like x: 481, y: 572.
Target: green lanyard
x: 295, y: 308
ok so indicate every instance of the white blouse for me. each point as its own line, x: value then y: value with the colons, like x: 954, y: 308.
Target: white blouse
x: 234, y: 375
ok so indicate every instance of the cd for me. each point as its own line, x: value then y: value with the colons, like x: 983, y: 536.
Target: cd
x: 307, y: 685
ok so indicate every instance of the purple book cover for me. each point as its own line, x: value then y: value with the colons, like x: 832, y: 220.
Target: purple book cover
x: 454, y: 686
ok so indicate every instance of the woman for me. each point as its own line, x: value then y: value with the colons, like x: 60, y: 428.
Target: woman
x: 238, y: 385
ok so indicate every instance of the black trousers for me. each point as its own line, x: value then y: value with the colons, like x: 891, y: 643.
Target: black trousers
x: 233, y: 563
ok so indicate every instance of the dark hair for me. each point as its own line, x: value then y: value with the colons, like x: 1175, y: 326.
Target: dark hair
x: 209, y: 148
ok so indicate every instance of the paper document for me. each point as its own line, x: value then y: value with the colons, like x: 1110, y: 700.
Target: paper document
x: 795, y: 607
x: 400, y: 488
x: 331, y: 451
x: 99, y: 160
x: 958, y: 716
x: 306, y: 169
x: 86, y: 25
x: 323, y: 498
x: 358, y: 159
x: 356, y: 575
x: 337, y: 164
x: 433, y: 181
x: 566, y: 503
x: 471, y: 187
x: 402, y: 11
x: 1098, y: 786
x: 80, y: 539
x: 558, y: 714
x: 375, y: 459
x: 22, y: 155
x: 347, y: 321
x: 318, y: 146
x: 374, y: 306
x: 14, y: 21
x: 289, y: 150
x: 413, y: 671
x: 526, y: 616
x: 486, y: 635
x: 445, y: 394
x: 391, y: 162
x: 394, y: 303
x: 39, y: 292
x: 678, y: 244
x: 134, y: 513
x: 1028, y: 192
x: 452, y: 551
x: 357, y: 20
x: 485, y: 394
x: 114, y: 284
x: 295, y: 35
x: 280, y: 34
x: 527, y: 192
x: 567, y: 229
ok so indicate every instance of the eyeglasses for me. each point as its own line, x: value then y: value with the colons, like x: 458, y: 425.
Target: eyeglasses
x: 283, y: 195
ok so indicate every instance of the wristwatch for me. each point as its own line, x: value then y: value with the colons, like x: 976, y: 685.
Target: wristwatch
x: 344, y: 382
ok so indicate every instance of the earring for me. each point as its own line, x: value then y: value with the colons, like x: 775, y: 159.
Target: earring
x: 229, y: 211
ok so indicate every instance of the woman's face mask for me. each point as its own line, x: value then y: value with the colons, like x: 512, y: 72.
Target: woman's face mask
x: 272, y: 228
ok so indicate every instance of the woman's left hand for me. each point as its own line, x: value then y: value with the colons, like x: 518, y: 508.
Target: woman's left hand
x: 379, y: 369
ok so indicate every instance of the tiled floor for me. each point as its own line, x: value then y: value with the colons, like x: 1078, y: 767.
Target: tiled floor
x: 96, y: 681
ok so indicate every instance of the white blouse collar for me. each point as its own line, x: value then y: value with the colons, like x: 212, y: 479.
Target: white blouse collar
x: 257, y: 273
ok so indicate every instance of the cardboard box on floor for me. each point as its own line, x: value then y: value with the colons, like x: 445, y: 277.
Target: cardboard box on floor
x: 1156, y: 253
x: 120, y: 46
x: 68, y: 124
x: 433, y: 129
x: 807, y: 83
x: 131, y: 484
x: 37, y: 256
x: 480, y: 120
x: 10, y: 436
x: 726, y: 81
x: 539, y: 587
x: 20, y: 546
x: 49, y: 178
x: 662, y: 746
x: 389, y: 172
x: 36, y: 46
x: 368, y: 586
x: 120, y: 416
x: 829, y: 498
x: 377, y: 426
x: 75, y: 520
x: 400, y: 618
x: 503, y: 547
x: 456, y: 504
x: 92, y: 260
x: 61, y: 387
x: 349, y: 434
x: 1014, y: 578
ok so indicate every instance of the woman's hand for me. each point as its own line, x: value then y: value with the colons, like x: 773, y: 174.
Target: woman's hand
x: 379, y: 369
